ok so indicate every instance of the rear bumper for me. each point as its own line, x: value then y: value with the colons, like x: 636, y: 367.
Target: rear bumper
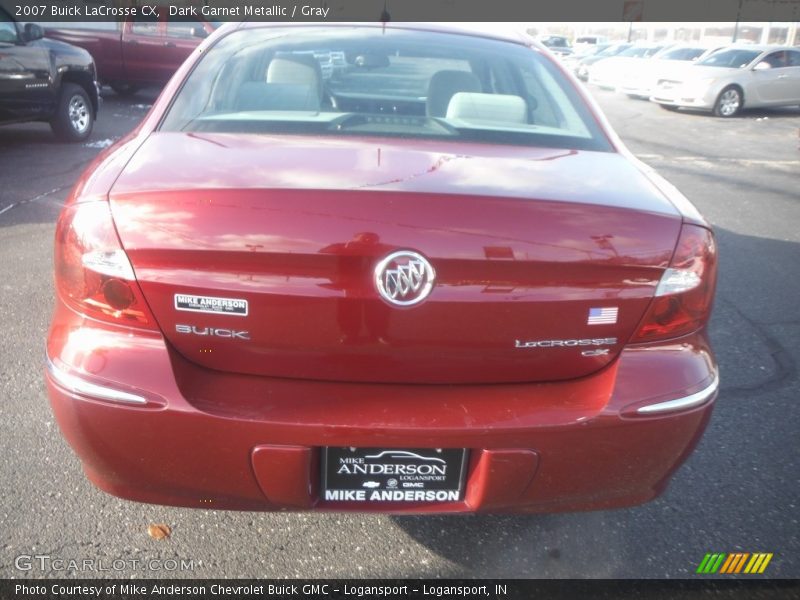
x: 151, y: 426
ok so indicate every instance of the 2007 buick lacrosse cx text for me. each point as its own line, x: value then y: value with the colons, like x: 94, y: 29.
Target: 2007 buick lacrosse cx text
x: 379, y: 267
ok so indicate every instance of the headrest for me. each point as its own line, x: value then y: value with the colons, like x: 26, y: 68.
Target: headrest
x: 443, y: 85
x: 488, y: 107
x: 296, y: 69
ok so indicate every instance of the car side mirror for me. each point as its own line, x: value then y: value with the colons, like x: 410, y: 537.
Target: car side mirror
x: 199, y: 32
x: 762, y: 66
x: 32, y: 32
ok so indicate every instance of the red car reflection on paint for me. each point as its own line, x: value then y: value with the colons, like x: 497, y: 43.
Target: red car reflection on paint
x: 400, y: 268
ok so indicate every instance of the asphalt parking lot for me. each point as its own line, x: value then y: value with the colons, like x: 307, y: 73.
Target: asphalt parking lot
x: 738, y: 492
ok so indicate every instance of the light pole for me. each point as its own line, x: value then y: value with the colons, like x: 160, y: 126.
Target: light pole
x: 736, y: 27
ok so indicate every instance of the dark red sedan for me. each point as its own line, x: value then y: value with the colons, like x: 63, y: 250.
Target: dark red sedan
x: 379, y: 268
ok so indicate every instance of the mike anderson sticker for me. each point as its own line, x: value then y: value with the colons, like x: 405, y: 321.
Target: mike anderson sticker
x: 208, y: 304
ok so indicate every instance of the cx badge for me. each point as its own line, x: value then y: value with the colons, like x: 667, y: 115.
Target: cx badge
x: 404, y: 278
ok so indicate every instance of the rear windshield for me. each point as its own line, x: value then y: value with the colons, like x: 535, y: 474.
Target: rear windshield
x: 556, y: 42
x: 367, y: 81
x: 641, y: 51
x: 614, y: 50
x: 734, y: 58
x: 682, y: 53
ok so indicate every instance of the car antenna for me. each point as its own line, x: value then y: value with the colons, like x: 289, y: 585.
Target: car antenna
x: 385, y: 16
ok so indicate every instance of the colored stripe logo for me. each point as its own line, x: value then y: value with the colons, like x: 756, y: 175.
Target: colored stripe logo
x: 737, y: 562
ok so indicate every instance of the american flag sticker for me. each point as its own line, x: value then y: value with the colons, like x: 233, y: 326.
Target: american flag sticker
x: 603, y: 316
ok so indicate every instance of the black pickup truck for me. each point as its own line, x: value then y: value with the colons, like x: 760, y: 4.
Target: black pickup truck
x: 46, y: 80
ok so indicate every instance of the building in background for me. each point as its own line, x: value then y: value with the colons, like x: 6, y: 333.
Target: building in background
x: 755, y: 33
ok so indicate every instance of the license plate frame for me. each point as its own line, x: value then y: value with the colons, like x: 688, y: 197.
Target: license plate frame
x: 409, y: 475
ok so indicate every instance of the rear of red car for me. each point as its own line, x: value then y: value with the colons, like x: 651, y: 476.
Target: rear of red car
x: 398, y: 270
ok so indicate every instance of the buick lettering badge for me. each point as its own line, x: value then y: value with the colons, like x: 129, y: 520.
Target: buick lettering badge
x: 404, y: 278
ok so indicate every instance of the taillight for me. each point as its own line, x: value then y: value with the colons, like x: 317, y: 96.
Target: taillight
x: 684, y: 296
x: 93, y: 273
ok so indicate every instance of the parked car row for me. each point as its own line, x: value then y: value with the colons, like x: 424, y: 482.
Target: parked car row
x: 559, y: 44
x: 53, y: 74
x: 137, y: 52
x: 608, y: 72
x: 642, y: 77
x: 733, y: 79
x: 46, y: 80
x: 581, y: 62
x: 721, y: 79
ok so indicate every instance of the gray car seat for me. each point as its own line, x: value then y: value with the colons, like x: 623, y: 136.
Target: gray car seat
x: 444, y: 85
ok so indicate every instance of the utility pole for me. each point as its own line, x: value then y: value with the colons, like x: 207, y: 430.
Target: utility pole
x: 736, y: 27
x: 765, y: 31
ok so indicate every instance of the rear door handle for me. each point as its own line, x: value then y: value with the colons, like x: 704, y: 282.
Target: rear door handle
x: 782, y: 76
x: 169, y: 44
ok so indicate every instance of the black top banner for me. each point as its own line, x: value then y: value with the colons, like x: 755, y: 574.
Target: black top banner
x: 408, y: 10
x: 431, y: 589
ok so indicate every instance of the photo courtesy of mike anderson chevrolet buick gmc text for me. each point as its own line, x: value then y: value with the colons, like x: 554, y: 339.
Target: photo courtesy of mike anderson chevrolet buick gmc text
x: 379, y: 267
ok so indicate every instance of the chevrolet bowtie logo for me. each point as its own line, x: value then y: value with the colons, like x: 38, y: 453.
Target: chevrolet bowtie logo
x: 404, y: 278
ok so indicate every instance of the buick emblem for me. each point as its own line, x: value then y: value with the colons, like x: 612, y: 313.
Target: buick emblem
x: 404, y: 278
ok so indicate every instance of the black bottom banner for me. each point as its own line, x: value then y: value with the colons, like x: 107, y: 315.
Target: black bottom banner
x: 320, y: 589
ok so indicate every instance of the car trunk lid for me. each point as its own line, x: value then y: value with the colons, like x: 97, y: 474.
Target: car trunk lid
x: 257, y: 254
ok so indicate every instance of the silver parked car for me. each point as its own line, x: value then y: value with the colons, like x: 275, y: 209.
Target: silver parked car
x: 640, y: 80
x: 610, y: 72
x: 735, y: 78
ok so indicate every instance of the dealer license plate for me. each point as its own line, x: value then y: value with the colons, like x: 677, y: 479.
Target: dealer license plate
x: 393, y: 475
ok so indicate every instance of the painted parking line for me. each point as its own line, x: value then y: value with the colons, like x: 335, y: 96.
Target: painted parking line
x: 751, y: 162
